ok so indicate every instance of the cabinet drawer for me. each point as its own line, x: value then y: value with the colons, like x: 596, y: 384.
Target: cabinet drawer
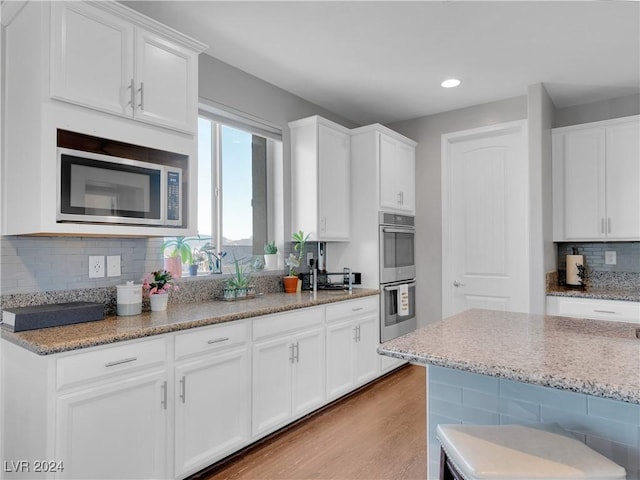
x: 614, y: 310
x: 287, y: 322
x: 343, y: 310
x: 208, y: 339
x: 94, y: 365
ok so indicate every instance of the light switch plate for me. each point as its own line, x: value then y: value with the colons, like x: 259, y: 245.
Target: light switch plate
x: 113, y: 266
x: 96, y: 266
x: 610, y: 257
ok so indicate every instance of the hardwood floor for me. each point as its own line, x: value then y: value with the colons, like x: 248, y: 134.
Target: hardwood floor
x: 377, y: 433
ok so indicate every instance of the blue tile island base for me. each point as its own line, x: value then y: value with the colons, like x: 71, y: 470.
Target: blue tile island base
x: 492, y: 368
x: 610, y: 427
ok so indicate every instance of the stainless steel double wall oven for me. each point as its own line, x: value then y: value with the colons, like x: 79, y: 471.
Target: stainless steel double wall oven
x: 397, y: 275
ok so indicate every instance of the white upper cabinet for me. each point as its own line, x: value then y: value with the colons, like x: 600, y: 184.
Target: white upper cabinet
x: 596, y: 181
x: 397, y: 175
x: 95, y: 69
x: 104, y: 61
x: 320, y: 163
x: 392, y: 157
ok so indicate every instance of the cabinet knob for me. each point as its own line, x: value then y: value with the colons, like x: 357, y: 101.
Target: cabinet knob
x: 458, y: 284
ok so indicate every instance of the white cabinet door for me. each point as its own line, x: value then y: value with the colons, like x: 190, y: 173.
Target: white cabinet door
x: 596, y: 181
x: 166, y: 82
x: 623, y: 181
x: 583, y: 189
x: 117, y: 430
x: 397, y: 175
x: 320, y: 173
x: 389, y: 192
x: 366, y: 357
x: 213, y: 414
x: 340, y: 340
x: 308, y: 371
x: 92, y: 62
x: 333, y: 183
x: 272, y: 389
x: 104, y: 62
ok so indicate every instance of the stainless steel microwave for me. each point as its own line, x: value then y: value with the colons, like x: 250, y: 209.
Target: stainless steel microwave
x: 97, y: 188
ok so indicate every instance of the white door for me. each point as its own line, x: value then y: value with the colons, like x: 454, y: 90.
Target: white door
x: 92, y: 62
x: 166, y: 82
x: 389, y: 191
x: 308, y: 372
x: 271, y: 394
x: 118, y: 430
x: 212, y: 416
x: 340, y: 341
x: 366, y: 358
x: 333, y: 181
x: 485, y: 219
x: 623, y: 181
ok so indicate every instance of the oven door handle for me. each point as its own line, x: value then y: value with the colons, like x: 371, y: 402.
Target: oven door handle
x: 397, y: 287
x: 398, y: 230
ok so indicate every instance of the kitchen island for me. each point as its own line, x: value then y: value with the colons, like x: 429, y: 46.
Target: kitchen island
x: 491, y: 367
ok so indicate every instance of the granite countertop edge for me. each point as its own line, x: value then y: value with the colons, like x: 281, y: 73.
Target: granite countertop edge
x: 35, y: 340
x: 623, y: 294
x: 597, y: 358
x: 560, y: 383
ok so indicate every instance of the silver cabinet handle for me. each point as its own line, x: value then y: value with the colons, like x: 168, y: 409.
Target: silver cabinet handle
x: 297, y: 352
x: 120, y: 362
x: 141, y: 96
x: 458, y: 284
x: 183, y: 389
x: 604, y: 311
x: 357, y: 309
x: 164, y: 395
x: 358, y: 332
x: 132, y: 95
x: 217, y: 340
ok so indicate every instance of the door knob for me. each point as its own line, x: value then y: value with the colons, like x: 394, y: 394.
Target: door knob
x: 457, y: 284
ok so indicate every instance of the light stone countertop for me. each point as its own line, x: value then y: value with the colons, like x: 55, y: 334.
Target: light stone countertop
x: 177, y: 317
x: 629, y: 294
x: 594, y: 357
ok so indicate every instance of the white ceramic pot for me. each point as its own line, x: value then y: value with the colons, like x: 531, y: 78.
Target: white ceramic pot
x: 271, y: 261
x: 159, y: 302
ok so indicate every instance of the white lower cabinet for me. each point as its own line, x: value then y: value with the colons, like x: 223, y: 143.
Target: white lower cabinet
x: 171, y: 405
x: 593, y: 308
x: 352, y: 340
x: 212, y: 395
x: 288, y: 368
x: 114, y: 430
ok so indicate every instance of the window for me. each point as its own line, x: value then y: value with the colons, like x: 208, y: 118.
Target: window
x: 236, y: 168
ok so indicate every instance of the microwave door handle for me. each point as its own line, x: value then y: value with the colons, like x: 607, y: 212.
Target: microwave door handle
x: 397, y: 287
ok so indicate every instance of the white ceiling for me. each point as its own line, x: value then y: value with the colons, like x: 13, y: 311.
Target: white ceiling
x: 383, y: 61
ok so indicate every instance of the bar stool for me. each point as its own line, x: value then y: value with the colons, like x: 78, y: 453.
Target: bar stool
x: 516, y: 452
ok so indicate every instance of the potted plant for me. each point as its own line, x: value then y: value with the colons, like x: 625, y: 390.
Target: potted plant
x: 290, y: 282
x: 270, y: 256
x: 197, y: 257
x: 156, y: 286
x: 239, y: 286
x: 179, y: 252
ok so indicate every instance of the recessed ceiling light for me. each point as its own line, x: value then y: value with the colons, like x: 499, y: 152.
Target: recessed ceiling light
x: 450, y: 83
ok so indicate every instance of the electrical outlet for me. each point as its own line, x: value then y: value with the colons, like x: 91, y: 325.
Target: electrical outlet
x: 113, y: 266
x: 96, y: 266
x: 610, y: 257
x: 309, y: 257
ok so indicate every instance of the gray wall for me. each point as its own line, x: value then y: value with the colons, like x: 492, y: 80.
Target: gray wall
x: 37, y: 264
x: 596, y: 111
x: 427, y: 131
x: 541, y: 112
